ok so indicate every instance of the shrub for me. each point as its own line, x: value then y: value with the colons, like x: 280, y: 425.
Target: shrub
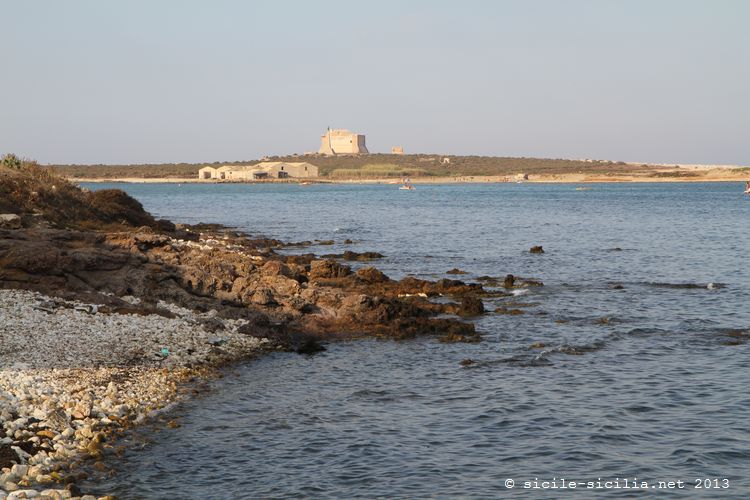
x: 11, y: 161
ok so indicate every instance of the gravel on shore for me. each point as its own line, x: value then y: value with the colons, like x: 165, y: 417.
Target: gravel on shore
x: 71, y: 377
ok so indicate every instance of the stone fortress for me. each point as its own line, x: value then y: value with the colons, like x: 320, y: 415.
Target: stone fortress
x: 333, y: 142
x: 342, y: 142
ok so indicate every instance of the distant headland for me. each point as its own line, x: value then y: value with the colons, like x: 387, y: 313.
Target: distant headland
x: 420, y: 168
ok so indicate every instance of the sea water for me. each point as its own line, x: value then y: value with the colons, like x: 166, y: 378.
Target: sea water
x: 629, y: 367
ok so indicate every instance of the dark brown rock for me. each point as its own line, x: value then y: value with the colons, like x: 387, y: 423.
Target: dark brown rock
x: 471, y: 306
x: 328, y: 269
x: 8, y: 457
x: 536, y: 249
x: 263, y: 296
x: 372, y: 275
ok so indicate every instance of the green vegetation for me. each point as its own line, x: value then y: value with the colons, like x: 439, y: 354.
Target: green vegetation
x: 370, y: 166
x: 11, y: 161
x: 674, y: 174
x: 377, y: 171
x: 144, y: 171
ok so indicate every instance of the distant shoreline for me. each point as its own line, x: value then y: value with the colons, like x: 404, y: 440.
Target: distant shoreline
x: 723, y: 175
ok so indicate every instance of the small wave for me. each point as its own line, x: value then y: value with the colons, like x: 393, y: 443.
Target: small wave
x: 380, y: 396
x: 520, y: 360
x: 647, y: 332
x: 522, y: 291
x: 687, y: 286
x: 640, y: 409
x: 369, y: 393
x: 576, y: 350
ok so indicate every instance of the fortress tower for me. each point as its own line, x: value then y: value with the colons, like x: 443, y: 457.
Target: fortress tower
x: 342, y: 142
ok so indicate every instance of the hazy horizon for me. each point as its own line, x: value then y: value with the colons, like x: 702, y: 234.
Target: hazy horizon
x: 140, y: 82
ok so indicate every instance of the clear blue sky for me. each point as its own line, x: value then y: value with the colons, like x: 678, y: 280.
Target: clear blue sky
x: 170, y: 81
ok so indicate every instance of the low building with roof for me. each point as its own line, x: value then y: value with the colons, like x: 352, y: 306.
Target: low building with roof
x: 262, y: 170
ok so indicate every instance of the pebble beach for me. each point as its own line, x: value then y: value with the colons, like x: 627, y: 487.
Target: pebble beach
x: 71, y: 376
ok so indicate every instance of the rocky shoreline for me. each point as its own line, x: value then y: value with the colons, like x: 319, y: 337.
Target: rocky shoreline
x: 107, y: 315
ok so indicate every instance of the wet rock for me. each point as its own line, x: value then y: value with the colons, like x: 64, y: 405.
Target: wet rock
x: 467, y: 362
x: 538, y: 345
x: 355, y: 256
x: 509, y: 281
x: 348, y: 255
x: 455, y: 270
x: 309, y: 346
x: 531, y: 282
x: 454, y: 337
x: 536, y: 249
x: 325, y: 242
x: 506, y: 310
x: 471, y: 306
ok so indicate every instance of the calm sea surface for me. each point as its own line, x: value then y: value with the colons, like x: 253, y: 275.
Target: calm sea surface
x: 649, y: 379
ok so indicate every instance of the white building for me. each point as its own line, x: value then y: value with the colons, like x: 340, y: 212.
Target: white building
x: 263, y: 170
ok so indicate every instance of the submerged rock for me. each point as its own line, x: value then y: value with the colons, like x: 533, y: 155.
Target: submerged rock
x: 536, y: 249
x: 355, y: 256
x: 455, y: 270
x: 506, y: 310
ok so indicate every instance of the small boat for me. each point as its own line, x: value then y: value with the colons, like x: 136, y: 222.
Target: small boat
x: 407, y: 185
x: 583, y: 188
x: 305, y: 183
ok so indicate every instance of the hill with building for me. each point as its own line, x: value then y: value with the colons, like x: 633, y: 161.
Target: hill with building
x: 370, y: 165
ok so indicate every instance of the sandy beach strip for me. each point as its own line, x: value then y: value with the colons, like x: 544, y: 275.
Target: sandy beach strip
x: 691, y: 175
